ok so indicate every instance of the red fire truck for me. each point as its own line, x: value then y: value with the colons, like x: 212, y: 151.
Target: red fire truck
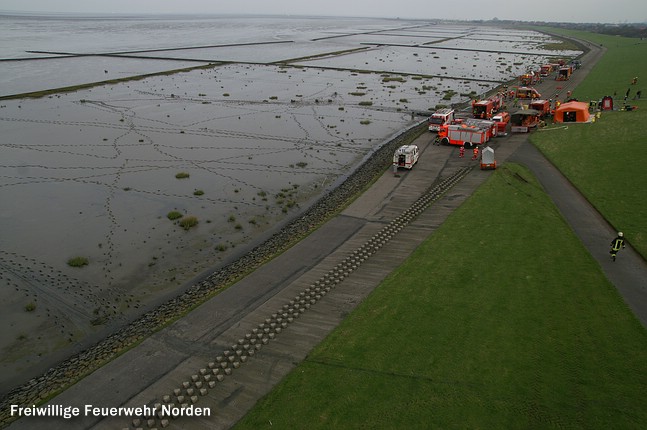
x: 546, y: 70
x: 542, y: 106
x: 441, y: 117
x: 564, y: 73
x: 471, y: 132
x: 484, y: 109
x: 527, y: 93
x: 502, y: 119
x: 530, y: 78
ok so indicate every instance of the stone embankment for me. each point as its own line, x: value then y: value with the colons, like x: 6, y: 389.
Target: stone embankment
x: 69, y: 371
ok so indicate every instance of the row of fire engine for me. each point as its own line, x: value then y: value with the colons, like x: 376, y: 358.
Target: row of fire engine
x: 562, y: 71
x: 486, y: 124
x: 489, y: 117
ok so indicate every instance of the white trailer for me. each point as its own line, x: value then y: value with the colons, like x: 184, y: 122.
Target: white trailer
x: 487, y: 159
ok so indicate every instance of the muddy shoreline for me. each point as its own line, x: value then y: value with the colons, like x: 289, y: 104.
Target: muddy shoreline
x: 66, y: 372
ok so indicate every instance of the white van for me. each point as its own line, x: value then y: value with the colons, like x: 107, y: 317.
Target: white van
x: 406, y: 156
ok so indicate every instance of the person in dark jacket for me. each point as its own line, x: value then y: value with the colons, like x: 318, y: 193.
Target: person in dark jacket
x: 616, y: 245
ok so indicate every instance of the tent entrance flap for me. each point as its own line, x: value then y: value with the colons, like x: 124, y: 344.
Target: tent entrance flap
x: 570, y: 116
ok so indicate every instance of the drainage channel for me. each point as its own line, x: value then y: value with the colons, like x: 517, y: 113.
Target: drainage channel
x: 206, y: 378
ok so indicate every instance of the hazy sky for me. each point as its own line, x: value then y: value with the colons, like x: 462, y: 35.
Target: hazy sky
x: 607, y: 11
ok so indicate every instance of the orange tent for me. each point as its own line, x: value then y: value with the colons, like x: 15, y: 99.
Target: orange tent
x: 572, y: 112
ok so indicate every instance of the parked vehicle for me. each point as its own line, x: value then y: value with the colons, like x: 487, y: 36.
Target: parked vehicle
x: 529, y: 79
x: 524, y: 120
x: 488, y: 162
x: 439, y: 118
x: 484, y: 109
x: 501, y: 119
x: 465, y: 134
x: 542, y: 106
x: 546, y: 70
x: 488, y: 126
x: 527, y: 93
x: 564, y: 73
x: 406, y: 156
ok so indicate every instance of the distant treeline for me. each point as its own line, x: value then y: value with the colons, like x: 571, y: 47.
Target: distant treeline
x: 625, y: 30
x: 637, y: 30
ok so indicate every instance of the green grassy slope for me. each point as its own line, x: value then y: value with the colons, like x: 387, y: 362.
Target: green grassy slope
x: 504, y: 324
x: 607, y: 160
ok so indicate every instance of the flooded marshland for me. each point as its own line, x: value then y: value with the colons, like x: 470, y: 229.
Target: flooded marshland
x: 146, y: 184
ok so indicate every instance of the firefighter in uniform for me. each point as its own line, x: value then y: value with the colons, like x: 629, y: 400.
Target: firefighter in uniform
x: 616, y: 245
x: 475, y: 153
x: 461, y: 151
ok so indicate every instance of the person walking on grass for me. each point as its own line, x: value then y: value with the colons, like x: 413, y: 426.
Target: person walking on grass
x: 616, y: 245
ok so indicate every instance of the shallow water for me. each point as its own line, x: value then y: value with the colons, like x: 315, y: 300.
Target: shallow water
x: 92, y: 173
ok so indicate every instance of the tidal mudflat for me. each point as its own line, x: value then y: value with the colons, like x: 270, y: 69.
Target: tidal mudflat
x: 114, y: 198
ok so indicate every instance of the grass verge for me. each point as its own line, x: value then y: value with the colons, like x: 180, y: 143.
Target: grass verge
x: 484, y: 326
x: 606, y: 160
